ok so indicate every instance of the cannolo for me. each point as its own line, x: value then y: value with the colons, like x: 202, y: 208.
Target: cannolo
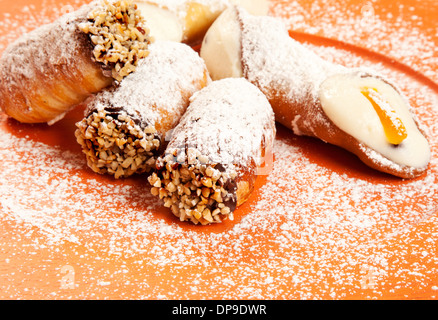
x: 46, y: 72
x: 354, y: 108
x: 188, y: 20
x: 124, y: 127
x: 215, y: 152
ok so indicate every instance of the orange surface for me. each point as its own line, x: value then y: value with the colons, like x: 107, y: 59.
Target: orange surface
x: 320, y: 226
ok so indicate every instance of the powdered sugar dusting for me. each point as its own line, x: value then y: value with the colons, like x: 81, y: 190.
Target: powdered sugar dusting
x: 227, y: 121
x: 12, y: 26
x: 315, y: 228
x: 31, y: 48
x: 160, y: 87
x: 293, y: 63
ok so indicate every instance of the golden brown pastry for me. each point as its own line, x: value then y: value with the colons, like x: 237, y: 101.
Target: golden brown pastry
x: 46, y: 72
x: 356, y: 109
x: 212, y: 160
x: 125, y: 127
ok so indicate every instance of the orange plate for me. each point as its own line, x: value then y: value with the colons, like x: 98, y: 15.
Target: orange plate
x: 320, y: 226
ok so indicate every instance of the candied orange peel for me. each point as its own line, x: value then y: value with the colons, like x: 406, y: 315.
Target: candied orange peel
x: 393, y: 126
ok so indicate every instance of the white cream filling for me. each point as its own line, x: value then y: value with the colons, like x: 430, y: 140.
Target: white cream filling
x: 163, y: 24
x: 345, y: 105
x: 221, y: 47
